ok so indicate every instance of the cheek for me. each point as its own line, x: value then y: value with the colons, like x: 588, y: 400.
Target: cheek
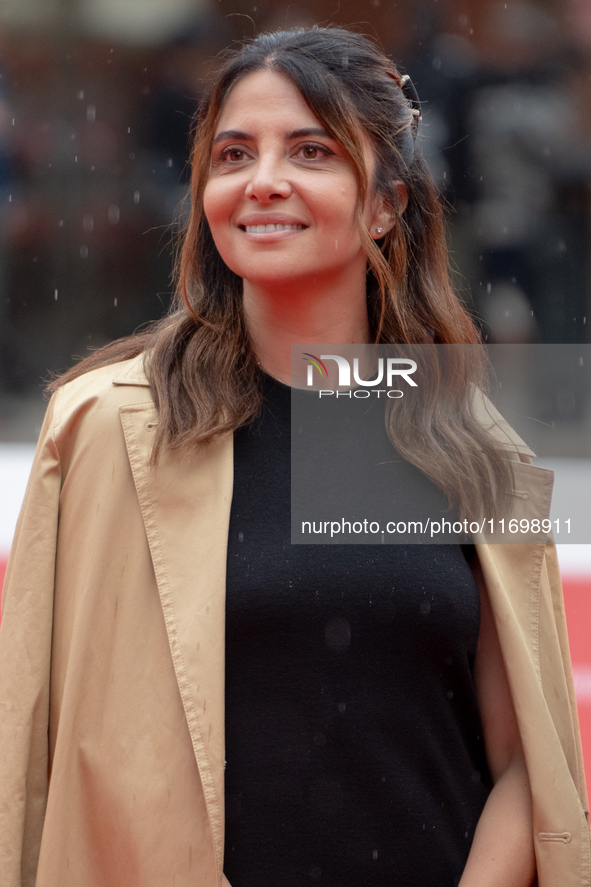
x: 217, y: 204
x: 344, y: 208
x: 210, y: 204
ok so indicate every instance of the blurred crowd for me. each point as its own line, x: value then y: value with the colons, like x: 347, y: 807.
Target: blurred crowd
x: 97, y: 100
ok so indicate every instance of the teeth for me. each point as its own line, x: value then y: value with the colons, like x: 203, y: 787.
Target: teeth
x: 267, y: 229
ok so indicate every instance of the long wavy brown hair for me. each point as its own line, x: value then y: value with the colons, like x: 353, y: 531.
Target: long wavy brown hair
x: 199, y: 359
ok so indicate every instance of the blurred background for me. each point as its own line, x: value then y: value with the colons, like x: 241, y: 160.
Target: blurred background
x: 96, y: 105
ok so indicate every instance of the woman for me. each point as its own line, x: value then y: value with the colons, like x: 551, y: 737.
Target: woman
x: 359, y: 749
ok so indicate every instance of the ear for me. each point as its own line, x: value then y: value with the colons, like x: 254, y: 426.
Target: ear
x: 387, y: 213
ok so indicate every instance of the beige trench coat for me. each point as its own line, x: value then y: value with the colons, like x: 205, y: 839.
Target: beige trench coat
x: 112, y: 658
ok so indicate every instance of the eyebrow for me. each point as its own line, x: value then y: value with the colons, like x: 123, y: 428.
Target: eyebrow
x: 239, y: 135
x: 233, y: 134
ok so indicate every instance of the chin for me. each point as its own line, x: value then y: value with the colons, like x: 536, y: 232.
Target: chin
x: 277, y: 277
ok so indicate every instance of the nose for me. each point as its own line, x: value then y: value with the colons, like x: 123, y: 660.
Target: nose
x: 268, y: 181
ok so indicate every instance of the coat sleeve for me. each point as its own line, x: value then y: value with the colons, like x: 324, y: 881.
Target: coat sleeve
x: 25, y: 651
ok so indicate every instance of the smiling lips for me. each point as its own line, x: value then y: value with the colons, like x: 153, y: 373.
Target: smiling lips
x: 269, y: 229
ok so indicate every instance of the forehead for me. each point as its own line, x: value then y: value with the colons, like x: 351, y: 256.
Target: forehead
x: 263, y: 99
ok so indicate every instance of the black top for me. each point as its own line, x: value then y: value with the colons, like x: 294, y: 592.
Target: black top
x: 353, y: 739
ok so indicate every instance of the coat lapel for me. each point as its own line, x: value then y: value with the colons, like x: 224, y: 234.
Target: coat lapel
x: 508, y: 565
x: 185, y: 503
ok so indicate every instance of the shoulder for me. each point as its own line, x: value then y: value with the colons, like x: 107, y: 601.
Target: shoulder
x: 498, y: 428
x: 102, y: 390
x: 85, y: 413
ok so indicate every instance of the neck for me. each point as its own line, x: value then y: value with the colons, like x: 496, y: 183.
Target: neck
x: 279, y: 317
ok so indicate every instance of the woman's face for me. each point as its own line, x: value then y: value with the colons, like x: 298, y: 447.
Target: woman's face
x: 281, y: 195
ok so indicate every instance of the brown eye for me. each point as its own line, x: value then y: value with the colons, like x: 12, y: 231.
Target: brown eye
x: 234, y: 155
x: 310, y: 152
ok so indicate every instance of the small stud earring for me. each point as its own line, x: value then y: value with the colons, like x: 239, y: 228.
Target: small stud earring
x: 379, y: 230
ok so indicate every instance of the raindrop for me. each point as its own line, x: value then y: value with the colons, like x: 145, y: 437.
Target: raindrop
x: 91, y: 113
x: 10, y: 198
x: 13, y: 121
x: 55, y: 295
x: 60, y: 224
x: 114, y: 303
x: 488, y: 288
x: 240, y: 537
x: 75, y: 158
x: 169, y: 162
x: 80, y: 95
x: 114, y: 214
x: 88, y: 224
x: 136, y: 196
x: 374, y: 855
x: 83, y: 252
x: 129, y: 129
x: 450, y: 694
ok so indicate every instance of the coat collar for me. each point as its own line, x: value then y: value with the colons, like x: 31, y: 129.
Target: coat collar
x: 488, y: 416
x: 132, y: 372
